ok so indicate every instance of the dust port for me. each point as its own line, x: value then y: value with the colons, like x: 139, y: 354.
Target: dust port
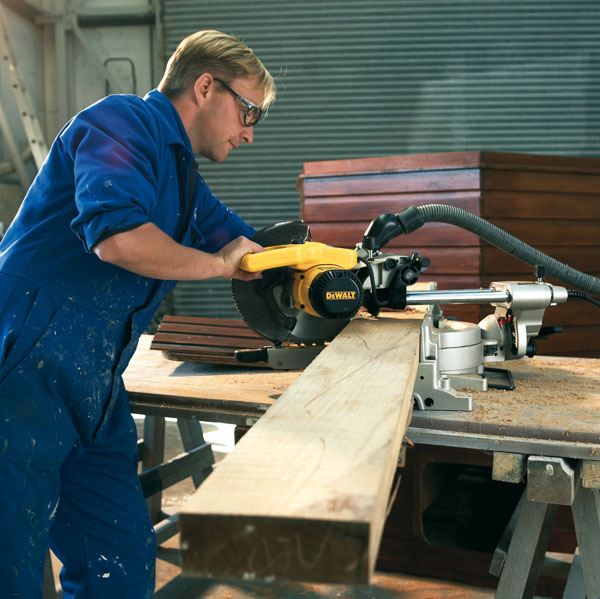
x: 470, y: 510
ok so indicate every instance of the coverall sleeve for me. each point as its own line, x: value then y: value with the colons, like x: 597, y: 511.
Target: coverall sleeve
x: 114, y: 152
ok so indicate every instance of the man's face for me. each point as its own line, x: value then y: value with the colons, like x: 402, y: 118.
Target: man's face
x: 218, y: 127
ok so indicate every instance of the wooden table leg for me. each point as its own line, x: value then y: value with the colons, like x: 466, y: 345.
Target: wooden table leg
x: 191, y: 437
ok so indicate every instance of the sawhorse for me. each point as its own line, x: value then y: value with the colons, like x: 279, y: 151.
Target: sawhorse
x: 520, y: 555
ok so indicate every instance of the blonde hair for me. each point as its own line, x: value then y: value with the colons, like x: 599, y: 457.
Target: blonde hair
x: 219, y: 54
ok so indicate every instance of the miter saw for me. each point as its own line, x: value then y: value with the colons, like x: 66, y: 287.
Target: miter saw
x: 309, y: 291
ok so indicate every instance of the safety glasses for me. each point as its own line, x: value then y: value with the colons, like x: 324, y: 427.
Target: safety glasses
x: 252, y: 112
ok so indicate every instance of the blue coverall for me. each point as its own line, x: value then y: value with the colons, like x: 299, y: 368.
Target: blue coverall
x: 69, y: 324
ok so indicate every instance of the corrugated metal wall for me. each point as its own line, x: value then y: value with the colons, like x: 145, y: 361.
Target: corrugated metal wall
x: 359, y: 78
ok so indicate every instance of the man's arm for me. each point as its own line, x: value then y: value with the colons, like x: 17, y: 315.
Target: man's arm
x: 148, y: 251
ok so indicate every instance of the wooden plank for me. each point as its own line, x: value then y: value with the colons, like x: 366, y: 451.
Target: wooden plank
x: 348, y: 234
x: 450, y: 160
x: 304, y: 495
x: 365, y: 208
x: 495, y: 261
x: 581, y: 341
x: 540, y: 162
x: 454, y: 160
x: 208, y: 341
x: 574, y: 233
x: 534, y: 205
x: 527, y: 180
x: 578, y: 233
x: 393, y: 181
x: 200, y: 329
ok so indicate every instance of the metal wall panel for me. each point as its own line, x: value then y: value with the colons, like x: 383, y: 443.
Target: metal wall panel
x: 359, y: 78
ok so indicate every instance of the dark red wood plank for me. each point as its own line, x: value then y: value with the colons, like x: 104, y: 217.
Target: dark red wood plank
x: 541, y: 181
x: 432, y: 234
x: 225, y: 322
x: 392, y: 182
x: 203, y: 329
x: 540, y: 205
x: 366, y: 207
x: 207, y: 340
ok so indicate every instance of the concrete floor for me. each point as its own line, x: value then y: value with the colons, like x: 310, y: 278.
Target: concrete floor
x: 170, y: 585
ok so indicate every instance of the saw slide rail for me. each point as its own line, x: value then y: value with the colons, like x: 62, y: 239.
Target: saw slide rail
x: 412, y: 218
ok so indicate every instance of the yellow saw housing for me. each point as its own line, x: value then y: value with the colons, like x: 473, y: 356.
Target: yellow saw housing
x: 324, y: 284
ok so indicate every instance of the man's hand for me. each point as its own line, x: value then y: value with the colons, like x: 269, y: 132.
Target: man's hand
x: 233, y: 253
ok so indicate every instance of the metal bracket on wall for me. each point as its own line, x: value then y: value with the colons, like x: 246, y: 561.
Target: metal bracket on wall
x: 27, y: 113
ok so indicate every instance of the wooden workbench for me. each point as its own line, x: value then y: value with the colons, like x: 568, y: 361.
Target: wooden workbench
x: 552, y: 415
x: 557, y: 400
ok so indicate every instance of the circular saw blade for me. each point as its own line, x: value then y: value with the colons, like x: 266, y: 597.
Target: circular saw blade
x: 260, y: 304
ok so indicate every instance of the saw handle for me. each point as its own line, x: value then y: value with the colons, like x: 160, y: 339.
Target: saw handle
x: 301, y: 256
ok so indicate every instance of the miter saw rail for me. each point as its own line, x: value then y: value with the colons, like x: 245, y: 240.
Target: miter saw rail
x: 309, y: 292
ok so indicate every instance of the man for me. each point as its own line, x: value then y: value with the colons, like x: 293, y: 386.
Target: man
x: 115, y: 216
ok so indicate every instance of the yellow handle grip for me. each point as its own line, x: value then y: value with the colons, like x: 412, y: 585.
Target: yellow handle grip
x: 300, y: 256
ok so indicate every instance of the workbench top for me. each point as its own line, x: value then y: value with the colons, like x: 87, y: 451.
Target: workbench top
x: 554, y: 410
x: 231, y: 394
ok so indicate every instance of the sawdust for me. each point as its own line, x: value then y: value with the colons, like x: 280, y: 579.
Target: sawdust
x: 560, y: 396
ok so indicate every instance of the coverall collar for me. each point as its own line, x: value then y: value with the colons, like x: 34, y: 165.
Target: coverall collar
x: 170, y: 122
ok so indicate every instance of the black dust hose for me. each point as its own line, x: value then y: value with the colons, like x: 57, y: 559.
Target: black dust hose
x: 388, y: 226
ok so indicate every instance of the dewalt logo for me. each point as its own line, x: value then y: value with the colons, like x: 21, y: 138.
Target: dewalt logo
x: 340, y: 295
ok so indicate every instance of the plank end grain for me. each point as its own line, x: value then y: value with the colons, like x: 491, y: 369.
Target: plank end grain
x: 269, y: 548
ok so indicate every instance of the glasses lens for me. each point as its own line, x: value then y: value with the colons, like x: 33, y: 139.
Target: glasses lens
x: 252, y: 116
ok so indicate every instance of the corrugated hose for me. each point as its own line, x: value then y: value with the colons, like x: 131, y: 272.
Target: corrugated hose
x: 414, y: 217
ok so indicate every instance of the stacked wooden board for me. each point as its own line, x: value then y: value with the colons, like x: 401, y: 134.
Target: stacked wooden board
x: 550, y: 202
x: 208, y: 340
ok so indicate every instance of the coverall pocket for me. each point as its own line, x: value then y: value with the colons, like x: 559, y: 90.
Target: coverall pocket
x: 25, y: 320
